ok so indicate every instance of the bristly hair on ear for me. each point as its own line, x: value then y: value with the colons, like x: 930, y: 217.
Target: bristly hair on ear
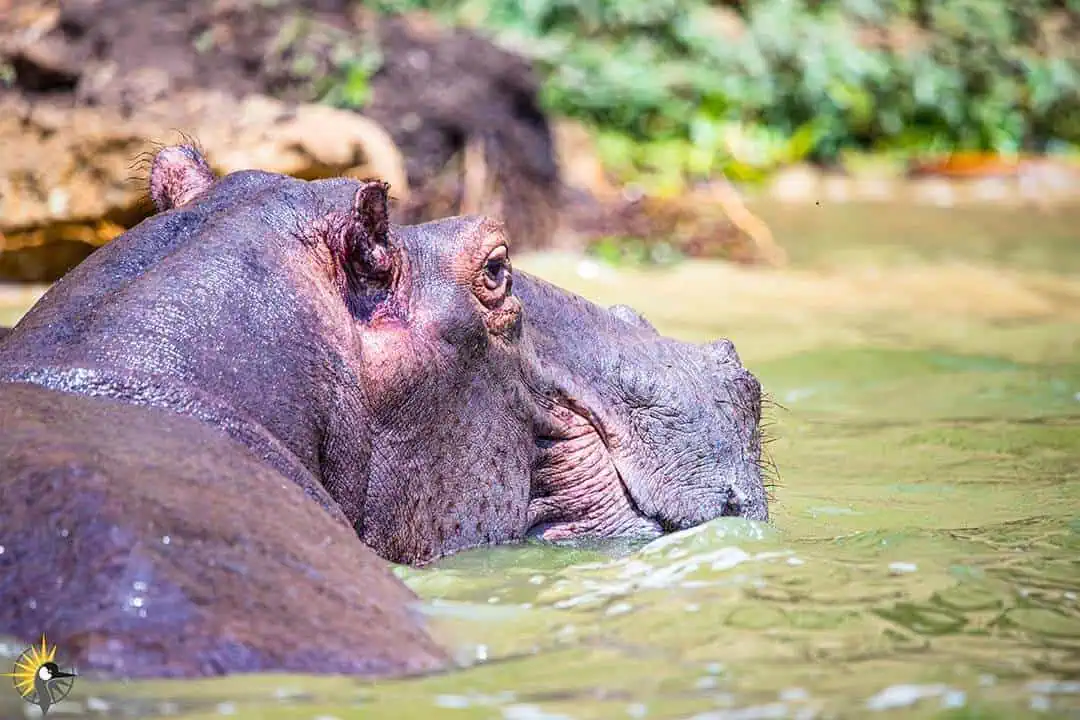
x: 139, y: 178
x: 142, y: 164
x: 178, y: 174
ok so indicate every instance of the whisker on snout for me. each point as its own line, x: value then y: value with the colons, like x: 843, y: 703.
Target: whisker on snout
x: 768, y: 401
x: 770, y: 472
x: 770, y: 478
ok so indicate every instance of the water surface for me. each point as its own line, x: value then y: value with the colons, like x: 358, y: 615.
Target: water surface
x: 924, y: 555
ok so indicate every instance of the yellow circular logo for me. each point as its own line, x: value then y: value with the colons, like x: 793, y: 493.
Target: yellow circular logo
x: 38, y: 679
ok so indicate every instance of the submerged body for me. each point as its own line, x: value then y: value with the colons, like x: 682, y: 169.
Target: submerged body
x: 148, y: 544
x: 185, y: 436
x: 289, y: 389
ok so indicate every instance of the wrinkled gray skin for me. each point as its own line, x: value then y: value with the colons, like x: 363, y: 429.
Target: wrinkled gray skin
x: 381, y: 367
x: 263, y: 338
x: 671, y: 428
x: 442, y: 400
x: 653, y: 434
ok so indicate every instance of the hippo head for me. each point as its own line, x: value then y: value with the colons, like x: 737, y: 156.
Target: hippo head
x: 475, y: 405
x: 645, y: 434
x: 633, y: 434
x: 427, y: 395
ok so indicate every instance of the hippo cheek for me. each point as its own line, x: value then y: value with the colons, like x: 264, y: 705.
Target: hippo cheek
x: 576, y: 488
x: 390, y: 364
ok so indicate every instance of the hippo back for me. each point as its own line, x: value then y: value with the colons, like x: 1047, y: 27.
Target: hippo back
x: 116, y: 535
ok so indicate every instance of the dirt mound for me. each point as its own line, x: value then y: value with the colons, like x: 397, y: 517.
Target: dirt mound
x: 463, y: 113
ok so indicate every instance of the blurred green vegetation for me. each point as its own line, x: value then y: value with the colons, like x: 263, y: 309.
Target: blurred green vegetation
x: 681, y: 89
x: 635, y: 252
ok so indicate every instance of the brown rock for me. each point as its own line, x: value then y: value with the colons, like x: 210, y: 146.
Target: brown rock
x: 467, y: 116
x: 579, y: 161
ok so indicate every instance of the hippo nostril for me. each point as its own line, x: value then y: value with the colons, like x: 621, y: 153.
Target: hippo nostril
x: 733, y: 506
x: 724, y: 351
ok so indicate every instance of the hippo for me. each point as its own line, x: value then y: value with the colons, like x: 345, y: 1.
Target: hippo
x: 218, y: 429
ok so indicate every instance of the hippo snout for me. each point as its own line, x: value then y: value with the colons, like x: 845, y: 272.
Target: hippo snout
x: 645, y: 430
x: 699, y: 458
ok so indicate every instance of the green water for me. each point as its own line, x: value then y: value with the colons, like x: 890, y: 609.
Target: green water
x: 924, y: 555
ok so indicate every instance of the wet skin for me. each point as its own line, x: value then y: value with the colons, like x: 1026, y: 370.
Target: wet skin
x: 201, y: 379
x: 277, y: 380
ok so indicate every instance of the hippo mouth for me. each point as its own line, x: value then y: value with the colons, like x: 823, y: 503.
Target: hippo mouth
x: 577, y: 489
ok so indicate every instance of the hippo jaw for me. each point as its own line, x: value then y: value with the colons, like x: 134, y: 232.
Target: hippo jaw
x: 642, y: 435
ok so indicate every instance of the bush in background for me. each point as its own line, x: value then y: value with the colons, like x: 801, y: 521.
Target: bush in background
x: 683, y: 89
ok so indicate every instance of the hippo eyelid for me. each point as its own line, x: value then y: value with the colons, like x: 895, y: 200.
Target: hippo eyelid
x: 496, y: 267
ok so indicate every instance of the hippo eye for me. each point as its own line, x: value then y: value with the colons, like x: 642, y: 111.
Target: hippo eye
x: 497, y: 269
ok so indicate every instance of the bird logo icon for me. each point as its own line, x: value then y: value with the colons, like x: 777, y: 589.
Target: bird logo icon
x: 38, y: 679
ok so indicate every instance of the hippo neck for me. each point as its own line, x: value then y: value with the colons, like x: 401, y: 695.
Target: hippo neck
x: 183, y: 400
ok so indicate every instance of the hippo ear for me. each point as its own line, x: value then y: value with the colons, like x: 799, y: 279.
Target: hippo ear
x: 632, y: 316
x: 369, y: 231
x: 178, y: 174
